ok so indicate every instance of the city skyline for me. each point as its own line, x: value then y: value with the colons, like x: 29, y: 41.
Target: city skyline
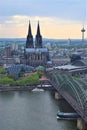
x: 58, y: 19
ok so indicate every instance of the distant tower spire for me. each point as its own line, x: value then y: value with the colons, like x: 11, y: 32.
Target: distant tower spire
x: 83, y: 31
x: 29, y: 41
x: 29, y: 29
x: 38, y: 40
x: 38, y: 29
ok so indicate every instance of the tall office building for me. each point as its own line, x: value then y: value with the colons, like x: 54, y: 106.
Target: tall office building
x: 8, y: 51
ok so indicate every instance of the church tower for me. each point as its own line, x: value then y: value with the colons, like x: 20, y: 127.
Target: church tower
x: 35, y: 55
x: 38, y: 40
x: 29, y: 41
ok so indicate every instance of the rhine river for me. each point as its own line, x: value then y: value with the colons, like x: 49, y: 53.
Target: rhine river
x: 31, y: 111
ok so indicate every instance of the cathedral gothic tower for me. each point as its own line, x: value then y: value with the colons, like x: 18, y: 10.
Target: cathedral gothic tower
x: 35, y: 54
x: 38, y: 40
x: 29, y: 41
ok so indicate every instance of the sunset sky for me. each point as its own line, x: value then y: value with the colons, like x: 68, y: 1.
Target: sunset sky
x: 58, y: 18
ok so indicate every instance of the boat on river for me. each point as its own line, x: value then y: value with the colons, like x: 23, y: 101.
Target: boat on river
x: 37, y: 90
x: 63, y: 115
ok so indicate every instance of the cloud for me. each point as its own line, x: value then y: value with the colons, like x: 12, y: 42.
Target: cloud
x: 18, y: 20
x: 51, y: 27
x: 58, y: 18
x: 64, y: 9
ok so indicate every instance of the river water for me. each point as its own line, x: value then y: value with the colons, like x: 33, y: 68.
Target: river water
x: 31, y: 111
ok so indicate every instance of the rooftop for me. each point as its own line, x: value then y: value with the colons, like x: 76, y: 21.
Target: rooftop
x: 36, y: 50
x: 68, y: 67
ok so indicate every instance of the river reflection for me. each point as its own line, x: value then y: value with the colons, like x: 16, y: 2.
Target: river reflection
x: 31, y: 111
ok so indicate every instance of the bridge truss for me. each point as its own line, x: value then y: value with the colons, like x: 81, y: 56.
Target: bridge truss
x: 73, y: 90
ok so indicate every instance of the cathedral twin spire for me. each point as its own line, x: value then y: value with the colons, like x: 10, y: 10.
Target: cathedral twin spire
x: 29, y: 42
x: 29, y: 29
x: 38, y: 39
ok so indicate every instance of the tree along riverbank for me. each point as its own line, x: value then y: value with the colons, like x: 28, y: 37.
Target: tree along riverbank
x: 31, y: 79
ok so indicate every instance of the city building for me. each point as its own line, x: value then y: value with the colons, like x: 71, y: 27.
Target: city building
x: 35, y: 54
x: 8, y: 51
x: 15, y: 69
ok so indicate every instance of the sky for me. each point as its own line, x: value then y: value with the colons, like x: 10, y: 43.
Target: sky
x: 59, y: 19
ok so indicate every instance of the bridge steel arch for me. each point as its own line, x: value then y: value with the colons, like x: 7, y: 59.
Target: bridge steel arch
x: 72, y: 91
x: 69, y: 85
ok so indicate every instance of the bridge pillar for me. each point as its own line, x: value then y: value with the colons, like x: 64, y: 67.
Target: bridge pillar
x: 81, y: 125
x: 57, y: 96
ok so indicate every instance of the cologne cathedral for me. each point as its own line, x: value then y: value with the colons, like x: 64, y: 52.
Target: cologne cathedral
x: 35, y: 54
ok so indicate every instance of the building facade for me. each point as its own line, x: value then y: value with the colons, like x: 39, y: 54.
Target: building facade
x: 35, y: 54
x: 8, y: 51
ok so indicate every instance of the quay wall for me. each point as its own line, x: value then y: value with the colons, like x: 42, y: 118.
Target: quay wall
x: 16, y: 88
x: 24, y: 88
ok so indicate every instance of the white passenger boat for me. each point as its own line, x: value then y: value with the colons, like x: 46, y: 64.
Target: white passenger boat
x: 37, y: 90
